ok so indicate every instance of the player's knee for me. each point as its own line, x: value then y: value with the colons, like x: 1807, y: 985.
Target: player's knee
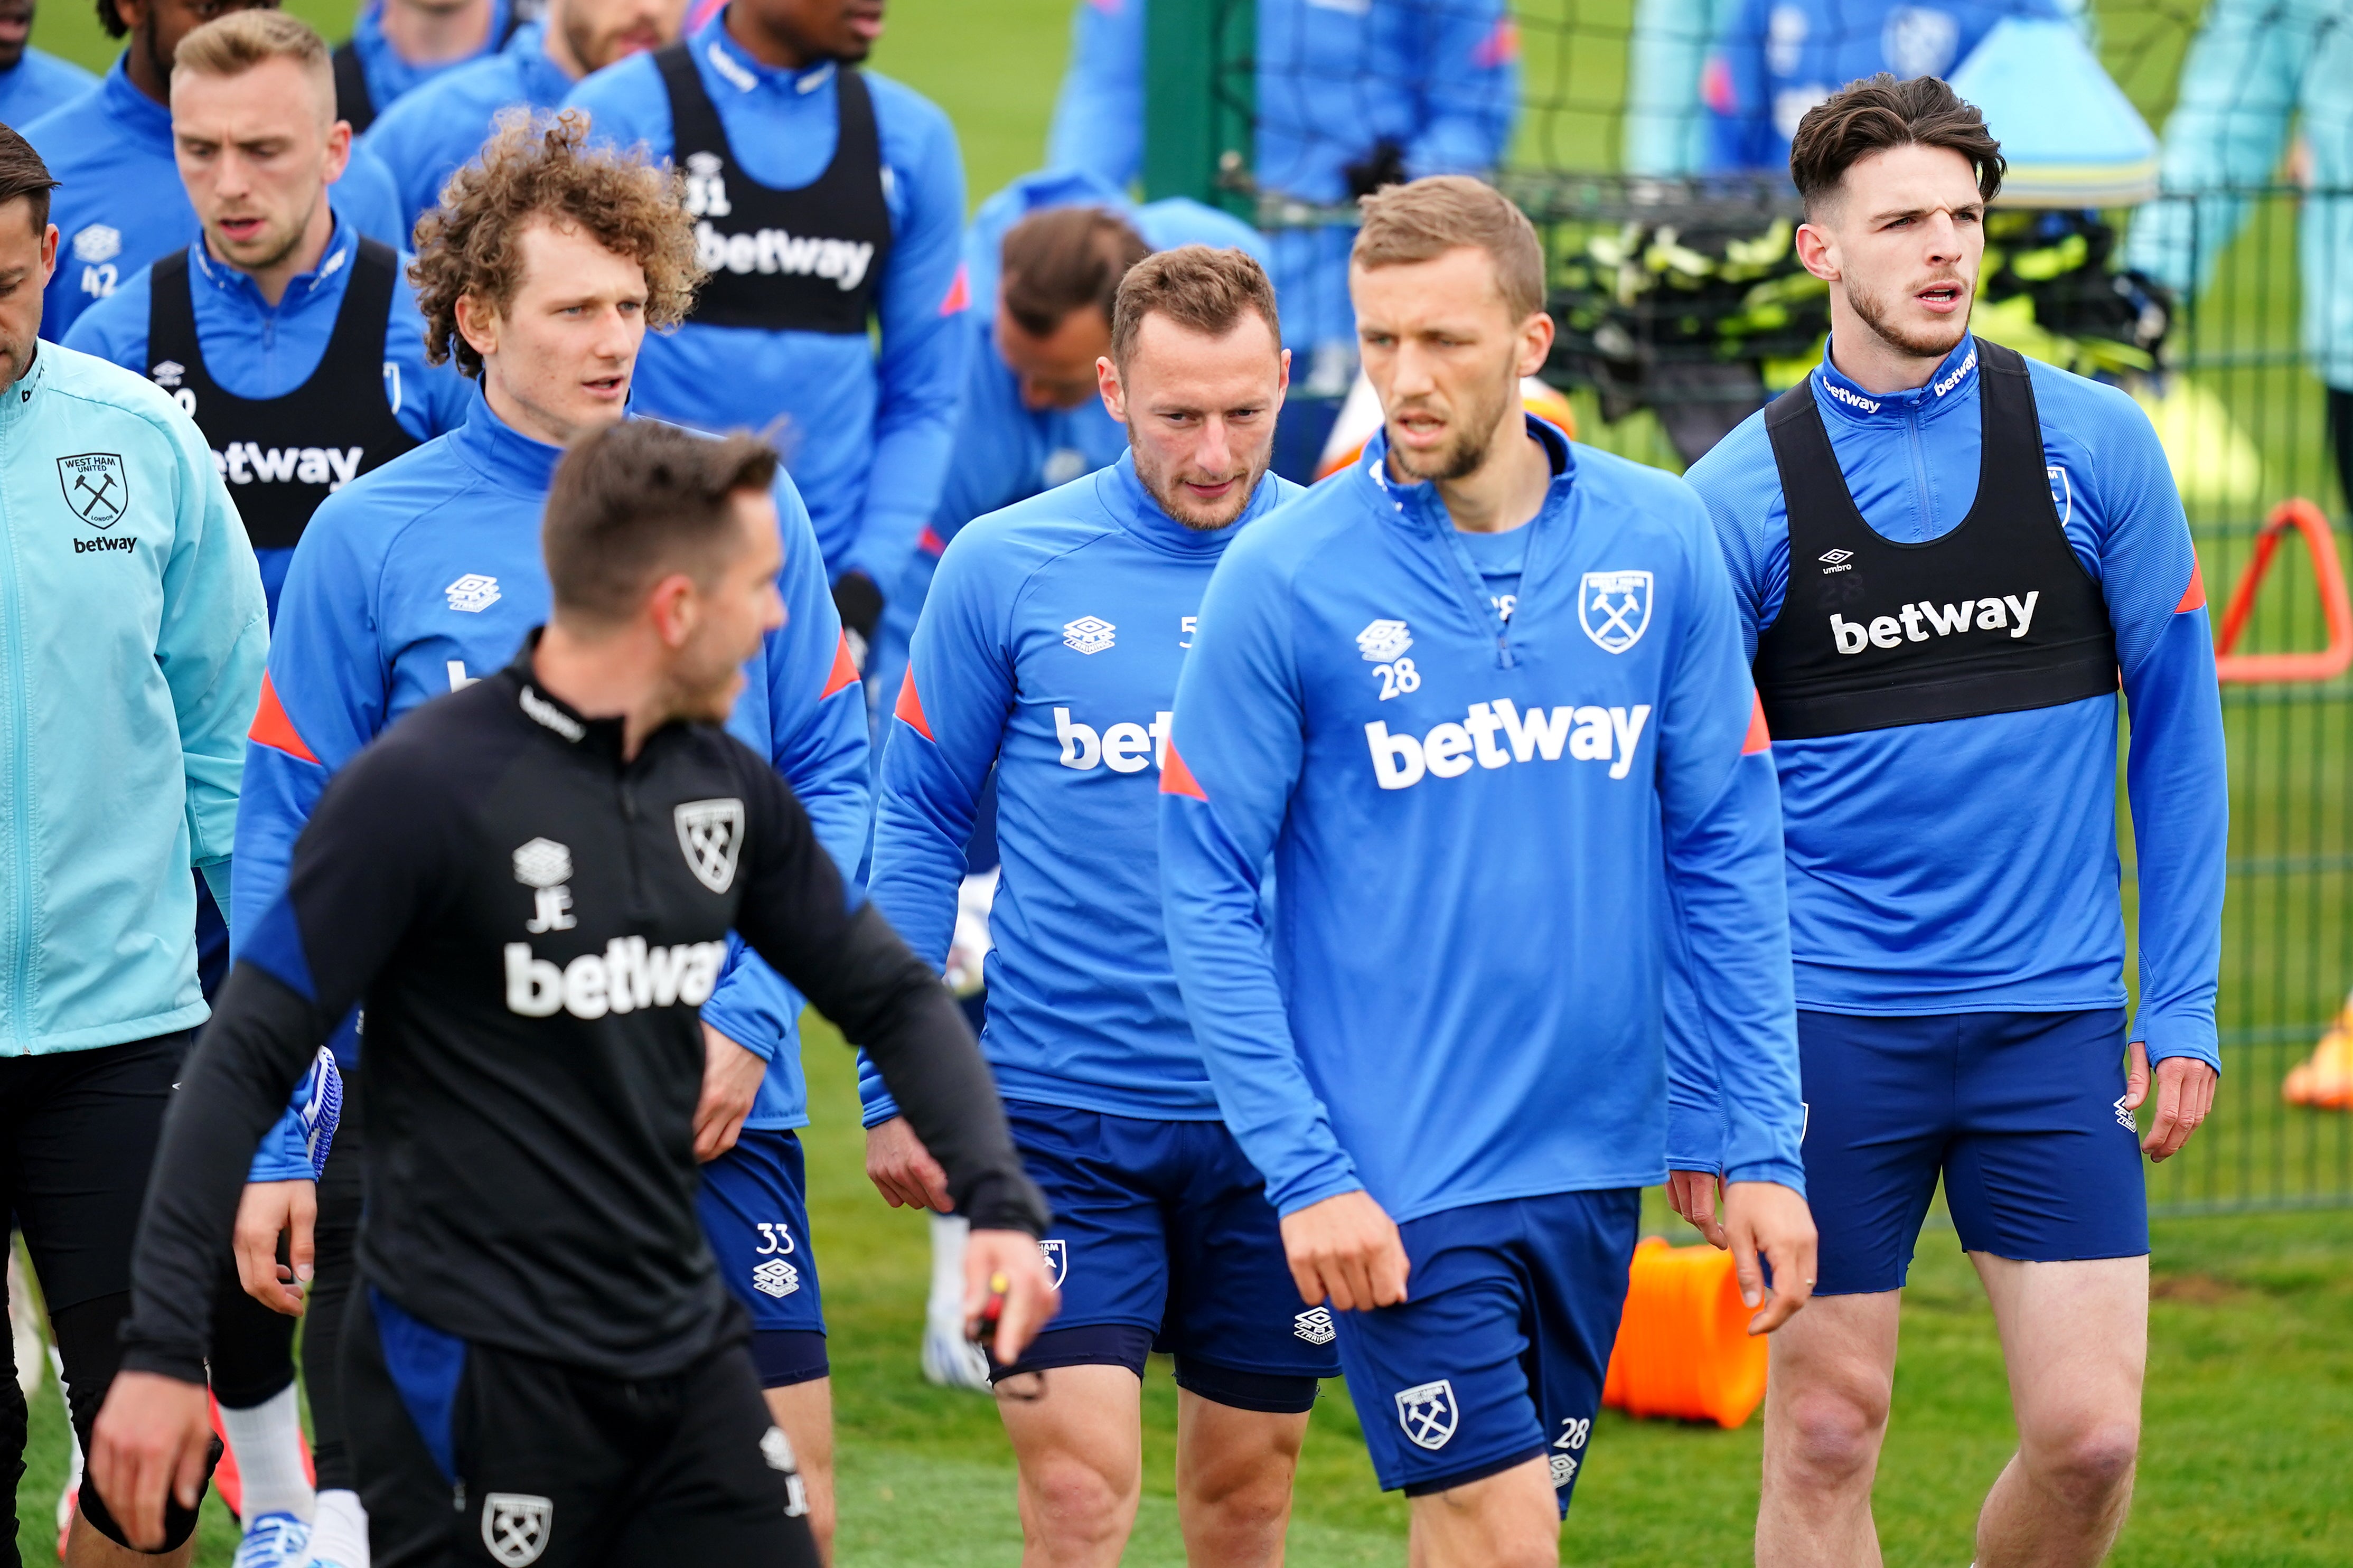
x: 1077, y: 1501
x: 1832, y: 1434
x: 1243, y: 1499
x: 2089, y: 1464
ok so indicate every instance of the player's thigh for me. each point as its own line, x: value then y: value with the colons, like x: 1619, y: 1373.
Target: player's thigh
x: 2045, y: 1165
x: 725, y: 1487
x: 2075, y: 1336
x: 1830, y: 1378
x: 1078, y: 1432
x: 81, y: 1150
x: 754, y: 1209
x: 1879, y: 1112
x: 1503, y: 1521
x: 1105, y: 1250
x: 1241, y: 1336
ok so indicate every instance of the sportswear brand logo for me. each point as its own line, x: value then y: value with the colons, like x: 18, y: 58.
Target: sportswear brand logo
x: 249, y: 462
x: 1835, y: 561
x: 168, y: 374
x: 96, y: 487
x: 473, y: 593
x: 1315, y: 1326
x: 712, y: 834
x: 1851, y: 399
x: 1591, y: 734
x: 2125, y: 1115
x: 1959, y: 372
x: 1615, y: 608
x: 625, y: 978
x: 1087, y: 633
x: 776, y: 1277
x: 544, y: 866
x: 1427, y: 1412
x: 97, y: 242
x: 516, y: 1527
x: 540, y: 711
x: 1911, y: 624
x: 1383, y: 641
x: 1126, y: 748
x: 1058, y: 1260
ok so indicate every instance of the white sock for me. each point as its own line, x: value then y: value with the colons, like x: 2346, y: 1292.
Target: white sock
x: 268, y: 1442
x: 944, y: 1312
x: 339, y: 1530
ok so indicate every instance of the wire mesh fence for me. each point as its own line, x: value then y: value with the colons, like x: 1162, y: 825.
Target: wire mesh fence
x: 1647, y: 139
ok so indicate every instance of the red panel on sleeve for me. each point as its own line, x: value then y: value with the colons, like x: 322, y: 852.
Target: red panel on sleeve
x: 844, y: 674
x: 910, y: 711
x: 271, y: 727
x: 1760, y: 738
x: 1176, y: 778
x: 2193, y: 597
x: 959, y: 293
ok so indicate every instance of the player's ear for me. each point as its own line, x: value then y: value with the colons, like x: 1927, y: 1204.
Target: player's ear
x: 1818, y: 252
x: 1114, y: 399
x: 478, y: 323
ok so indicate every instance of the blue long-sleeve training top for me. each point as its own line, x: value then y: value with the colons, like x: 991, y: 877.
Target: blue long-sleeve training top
x: 1970, y: 865
x: 1437, y: 78
x: 1049, y: 650
x: 864, y: 430
x: 391, y: 75
x: 436, y: 128
x: 254, y: 349
x: 119, y: 206
x: 424, y: 575
x: 1489, y: 842
x: 38, y: 83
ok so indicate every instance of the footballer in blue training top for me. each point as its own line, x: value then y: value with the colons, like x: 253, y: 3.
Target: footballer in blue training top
x: 1048, y: 653
x: 1478, y: 705
x: 1946, y: 562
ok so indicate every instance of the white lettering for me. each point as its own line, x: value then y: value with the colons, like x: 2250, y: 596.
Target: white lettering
x: 2025, y: 612
x: 1947, y: 618
x: 534, y: 986
x: 1839, y: 629
x: 310, y: 465
x: 1536, y: 732
x: 346, y: 463
x: 1885, y: 633
x: 1126, y: 748
x: 1081, y: 747
x: 1446, y: 750
x: 238, y: 474
x: 627, y: 976
x: 1397, y: 758
x: 1482, y: 723
x: 585, y: 985
x: 1591, y: 741
x: 773, y: 251
x: 1990, y: 616
x: 1628, y: 726
x: 274, y: 466
x: 1591, y: 734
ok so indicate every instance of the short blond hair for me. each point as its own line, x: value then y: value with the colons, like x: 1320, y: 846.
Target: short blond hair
x: 1205, y: 289
x: 235, y: 44
x: 1424, y: 220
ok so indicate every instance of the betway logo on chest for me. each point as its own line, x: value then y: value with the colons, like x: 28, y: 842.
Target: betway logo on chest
x: 627, y: 976
x: 1123, y: 748
x: 1497, y: 734
x: 771, y: 250
x: 249, y: 462
x: 1913, y: 623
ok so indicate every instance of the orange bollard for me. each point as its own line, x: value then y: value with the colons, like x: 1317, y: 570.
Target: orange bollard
x: 1683, y: 1349
x: 2326, y: 1081
x: 2335, y: 605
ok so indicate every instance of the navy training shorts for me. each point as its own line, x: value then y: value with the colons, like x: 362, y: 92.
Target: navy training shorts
x: 754, y: 1211
x: 2021, y: 1114
x: 1498, y: 1354
x: 1163, y: 1239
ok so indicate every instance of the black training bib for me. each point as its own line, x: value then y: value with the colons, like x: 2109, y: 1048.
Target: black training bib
x: 1997, y: 616
x: 282, y: 456
x: 805, y: 261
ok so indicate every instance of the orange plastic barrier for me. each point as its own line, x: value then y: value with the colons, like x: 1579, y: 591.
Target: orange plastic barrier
x: 1683, y: 1348
x: 2326, y: 1082
x: 2255, y: 668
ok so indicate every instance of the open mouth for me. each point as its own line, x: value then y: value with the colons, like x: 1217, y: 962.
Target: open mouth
x: 240, y: 230
x: 1941, y: 297
x: 607, y: 386
x: 865, y: 26
x: 1206, y: 491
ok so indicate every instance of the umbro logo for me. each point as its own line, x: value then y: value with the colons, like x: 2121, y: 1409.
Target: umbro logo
x: 1835, y: 561
x: 776, y: 1277
x: 1089, y: 633
x: 170, y: 372
x: 473, y: 593
x: 1315, y: 1326
x: 2125, y: 1115
x: 1383, y: 641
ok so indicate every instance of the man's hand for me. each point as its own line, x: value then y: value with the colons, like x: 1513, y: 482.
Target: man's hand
x: 903, y: 1170
x: 1692, y: 1193
x: 152, y: 1436
x: 267, y: 1211
x: 1029, y: 1297
x: 1768, y: 1220
x: 1345, y: 1248
x: 2185, y: 1094
x: 731, y: 1082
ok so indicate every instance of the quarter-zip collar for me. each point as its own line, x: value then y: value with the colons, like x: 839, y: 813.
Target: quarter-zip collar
x: 563, y: 722
x: 1132, y: 506
x: 501, y: 453
x: 1953, y: 387
x: 738, y: 68
x: 133, y: 116
x: 1424, y: 514
x: 322, y: 285
x: 17, y: 397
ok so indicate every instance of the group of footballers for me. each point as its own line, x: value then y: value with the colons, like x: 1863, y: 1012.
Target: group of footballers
x: 1498, y: 827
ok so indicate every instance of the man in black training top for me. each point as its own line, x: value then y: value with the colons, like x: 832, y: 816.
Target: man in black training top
x: 530, y: 884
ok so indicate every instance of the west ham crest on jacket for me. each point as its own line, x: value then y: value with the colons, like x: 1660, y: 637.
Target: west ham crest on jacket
x: 516, y: 1527
x: 1614, y: 607
x: 96, y: 487
x: 712, y: 834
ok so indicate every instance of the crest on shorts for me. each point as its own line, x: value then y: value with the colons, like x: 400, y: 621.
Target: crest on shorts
x: 1427, y: 1412
x: 96, y: 487
x: 1614, y: 609
x: 1057, y: 1255
x: 712, y: 834
x: 516, y: 1527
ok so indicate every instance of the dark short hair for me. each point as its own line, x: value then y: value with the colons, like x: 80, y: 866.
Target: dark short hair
x: 21, y: 173
x: 1879, y: 113
x: 1065, y: 260
x: 638, y: 501
x: 1205, y: 289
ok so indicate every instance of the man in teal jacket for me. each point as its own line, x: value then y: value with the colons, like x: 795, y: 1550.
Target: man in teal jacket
x: 132, y: 636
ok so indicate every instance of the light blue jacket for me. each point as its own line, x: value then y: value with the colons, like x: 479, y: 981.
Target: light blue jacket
x: 132, y: 636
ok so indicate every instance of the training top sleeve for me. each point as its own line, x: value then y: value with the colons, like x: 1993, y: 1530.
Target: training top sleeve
x: 369, y: 198
x: 1466, y: 60
x: 1098, y: 124
x: 2176, y: 772
x: 920, y: 368
x: 1741, y: 486
x: 382, y: 839
x: 944, y: 734
x: 797, y: 914
x: 1234, y: 756
x: 1732, y: 1028
x: 428, y: 400
x: 114, y: 329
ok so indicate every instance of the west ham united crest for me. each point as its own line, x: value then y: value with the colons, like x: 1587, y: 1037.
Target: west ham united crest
x: 1614, y: 609
x: 1427, y: 1412
x: 516, y: 1527
x: 1058, y: 1260
x: 712, y: 834
x: 96, y: 487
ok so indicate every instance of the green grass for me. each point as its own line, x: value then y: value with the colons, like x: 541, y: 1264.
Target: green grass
x: 2250, y: 1415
